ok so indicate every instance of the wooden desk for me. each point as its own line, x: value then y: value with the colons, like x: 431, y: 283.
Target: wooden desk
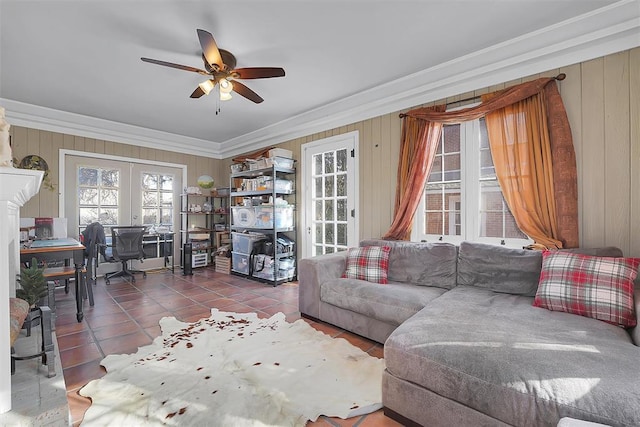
x: 60, y: 249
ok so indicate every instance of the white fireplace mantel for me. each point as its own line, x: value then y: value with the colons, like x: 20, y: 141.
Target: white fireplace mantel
x: 17, y: 186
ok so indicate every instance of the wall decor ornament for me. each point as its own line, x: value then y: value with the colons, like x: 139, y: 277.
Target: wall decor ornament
x: 205, y: 181
x: 35, y: 162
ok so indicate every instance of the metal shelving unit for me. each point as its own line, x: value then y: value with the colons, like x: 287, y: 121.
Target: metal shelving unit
x: 253, y: 256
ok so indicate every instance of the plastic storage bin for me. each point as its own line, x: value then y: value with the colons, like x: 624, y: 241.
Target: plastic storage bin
x: 263, y: 267
x: 240, y: 262
x: 265, y: 214
x: 262, y: 216
x: 280, y: 161
x: 280, y: 184
x: 243, y: 216
x: 280, y: 152
x: 243, y: 242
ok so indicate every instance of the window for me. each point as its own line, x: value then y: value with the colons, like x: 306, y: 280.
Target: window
x: 462, y: 198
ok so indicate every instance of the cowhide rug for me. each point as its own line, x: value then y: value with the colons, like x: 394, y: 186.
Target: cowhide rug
x: 235, y: 369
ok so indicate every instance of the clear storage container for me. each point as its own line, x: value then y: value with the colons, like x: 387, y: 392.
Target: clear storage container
x: 240, y: 262
x: 243, y: 242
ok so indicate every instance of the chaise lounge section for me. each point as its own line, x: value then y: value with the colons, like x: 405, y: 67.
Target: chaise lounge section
x: 465, y: 346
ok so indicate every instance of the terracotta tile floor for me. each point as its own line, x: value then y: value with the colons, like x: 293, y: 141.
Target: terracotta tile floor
x: 125, y: 316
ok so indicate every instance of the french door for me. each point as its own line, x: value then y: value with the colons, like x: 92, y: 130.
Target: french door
x: 330, y: 195
x: 117, y: 191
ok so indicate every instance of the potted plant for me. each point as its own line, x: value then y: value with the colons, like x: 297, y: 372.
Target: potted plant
x: 33, y: 288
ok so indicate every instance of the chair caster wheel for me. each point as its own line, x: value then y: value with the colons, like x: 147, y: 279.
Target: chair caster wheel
x: 144, y: 275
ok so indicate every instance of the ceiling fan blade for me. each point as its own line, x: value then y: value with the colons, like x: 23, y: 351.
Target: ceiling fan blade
x: 178, y: 66
x: 197, y: 93
x: 241, y: 89
x: 210, y: 49
x: 258, y: 72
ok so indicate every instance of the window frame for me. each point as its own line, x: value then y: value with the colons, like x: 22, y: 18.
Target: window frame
x: 470, y: 169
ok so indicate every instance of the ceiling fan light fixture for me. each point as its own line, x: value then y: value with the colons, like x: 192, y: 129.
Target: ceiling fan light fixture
x: 225, y: 96
x: 225, y: 86
x: 207, y: 86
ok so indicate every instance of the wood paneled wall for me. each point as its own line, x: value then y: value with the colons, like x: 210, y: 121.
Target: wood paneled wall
x: 602, y: 99
x: 48, y: 145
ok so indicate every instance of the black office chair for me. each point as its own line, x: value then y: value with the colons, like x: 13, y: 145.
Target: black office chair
x: 94, y: 242
x: 126, y: 244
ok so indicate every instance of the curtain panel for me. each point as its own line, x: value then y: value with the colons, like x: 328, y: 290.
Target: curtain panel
x: 418, y: 145
x: 558, y: 190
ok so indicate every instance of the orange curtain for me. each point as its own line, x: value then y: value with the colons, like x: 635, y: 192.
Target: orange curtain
x: 418, y: 146
x: 562, y: 174
x: 519, y: 141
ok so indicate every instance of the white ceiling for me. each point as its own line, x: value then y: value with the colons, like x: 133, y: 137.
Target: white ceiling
x: 74, y: 66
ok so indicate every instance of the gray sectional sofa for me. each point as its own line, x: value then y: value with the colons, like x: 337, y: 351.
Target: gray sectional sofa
x: 464, y: 346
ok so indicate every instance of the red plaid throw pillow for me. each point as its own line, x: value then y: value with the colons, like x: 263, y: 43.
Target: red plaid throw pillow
x: 370, y: 263
x: 590, y: 286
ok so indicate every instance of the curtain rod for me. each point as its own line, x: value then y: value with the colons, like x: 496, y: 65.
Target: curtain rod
x: 559, y: 77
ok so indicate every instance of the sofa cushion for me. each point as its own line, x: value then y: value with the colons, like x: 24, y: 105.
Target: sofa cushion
x: 598, y: 287
x: 520, y: 364
x: 501, y: 269
x: 426, y: 264
x: 369, y: 263
x: 393, y: 303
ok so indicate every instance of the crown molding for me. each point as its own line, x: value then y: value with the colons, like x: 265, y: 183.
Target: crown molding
x: 602, y: 32
x: 36, y: 117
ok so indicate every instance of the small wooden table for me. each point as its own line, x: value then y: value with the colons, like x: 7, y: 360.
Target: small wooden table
x: 60, y: 249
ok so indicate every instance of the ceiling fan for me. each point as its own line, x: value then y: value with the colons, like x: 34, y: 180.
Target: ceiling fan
x: 220, y: 68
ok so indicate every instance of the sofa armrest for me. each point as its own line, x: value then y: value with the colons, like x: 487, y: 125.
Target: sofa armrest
x: 312, y: 272
x: 635, y: 332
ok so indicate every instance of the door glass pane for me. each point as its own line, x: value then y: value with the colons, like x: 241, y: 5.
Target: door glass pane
x: 108, y: 197
x: 341, y: 210
x: 167, y: 183
x: 149, y: 181
x: 341, y: 185
x: 328, y: 210
x: 88, y: 177
x: 329, y: 235
x: 150, y: 216
x: 317, y: 164
x: 341, y: 161
x: 342, y: 234
x: 149, y: 198
x: 87, y: 196
x: 109, y: 216
x: 110, y: 178
x: 329, y: 165
x: 319, y: 211
x: 328, y: 186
